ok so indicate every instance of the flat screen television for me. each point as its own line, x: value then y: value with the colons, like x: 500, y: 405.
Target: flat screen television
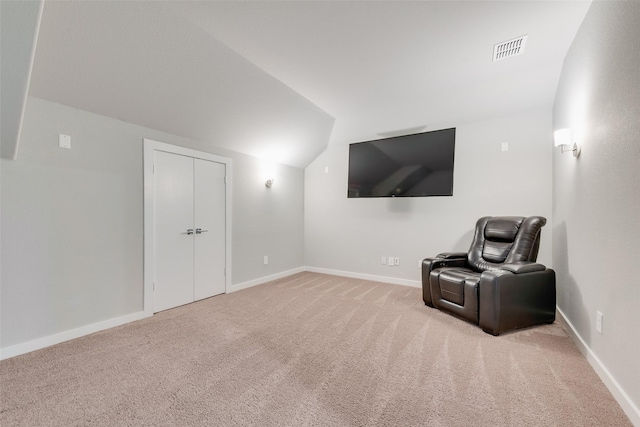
x: 416, y: 165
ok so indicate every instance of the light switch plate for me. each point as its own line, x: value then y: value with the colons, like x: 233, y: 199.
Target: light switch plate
x: 64, y: 141
x: 599, y: 319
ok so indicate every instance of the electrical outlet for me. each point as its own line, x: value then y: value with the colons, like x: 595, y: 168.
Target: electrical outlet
x: 384, y: 260
x: 396, y: 261
x: 599, y: 319
x: 266, y: 259
x: 390, y: 263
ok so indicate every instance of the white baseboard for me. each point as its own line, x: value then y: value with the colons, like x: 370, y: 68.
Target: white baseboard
x: 623, y: 399
x: 372, y: 277
x: 39, y: 343
x: 265, y: 279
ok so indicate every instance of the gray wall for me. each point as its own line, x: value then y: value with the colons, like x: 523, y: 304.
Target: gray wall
x: 71, y: 221
x: 596, y: 198
x: 354, y: 234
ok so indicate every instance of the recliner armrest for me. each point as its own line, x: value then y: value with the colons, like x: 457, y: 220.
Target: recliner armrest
x: 508, y: 301
x: 451, y: 255
x: 522, y: 267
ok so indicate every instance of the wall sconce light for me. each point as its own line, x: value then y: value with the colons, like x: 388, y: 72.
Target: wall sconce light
x: 269, y: 182
x: 562, y: 139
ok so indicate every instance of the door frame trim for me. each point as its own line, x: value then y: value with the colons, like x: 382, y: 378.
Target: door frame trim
x: 149, y: 147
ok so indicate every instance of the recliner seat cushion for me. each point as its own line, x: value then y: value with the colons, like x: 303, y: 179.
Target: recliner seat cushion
x: 452, y: 283
x: 456, y: 290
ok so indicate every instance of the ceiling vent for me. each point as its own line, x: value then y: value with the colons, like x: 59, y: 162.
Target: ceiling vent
x: 509, y: 48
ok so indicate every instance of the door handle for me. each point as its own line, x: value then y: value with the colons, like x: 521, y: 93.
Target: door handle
x: 188, y: 232
x: 200, y: 231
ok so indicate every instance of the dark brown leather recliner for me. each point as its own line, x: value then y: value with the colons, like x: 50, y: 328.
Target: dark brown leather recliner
x: 497, y: 284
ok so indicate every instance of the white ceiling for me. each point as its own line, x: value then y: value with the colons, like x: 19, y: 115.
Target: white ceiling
x: 285, y: 79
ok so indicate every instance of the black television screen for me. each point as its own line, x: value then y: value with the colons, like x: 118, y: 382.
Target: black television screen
x: 415, y: 165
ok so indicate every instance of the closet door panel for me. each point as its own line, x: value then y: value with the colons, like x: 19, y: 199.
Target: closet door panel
x: 209, y: 261
x: 174, y: 243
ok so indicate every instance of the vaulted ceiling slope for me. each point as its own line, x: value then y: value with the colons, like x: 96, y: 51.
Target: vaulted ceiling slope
x: 141, y: 63
x: 19, y: 22
x: 284, y: 79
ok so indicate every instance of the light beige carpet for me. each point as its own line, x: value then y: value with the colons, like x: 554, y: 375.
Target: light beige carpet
x: 307, y: 350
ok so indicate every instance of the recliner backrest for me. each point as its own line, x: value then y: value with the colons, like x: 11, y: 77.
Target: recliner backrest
x: 504, y: 240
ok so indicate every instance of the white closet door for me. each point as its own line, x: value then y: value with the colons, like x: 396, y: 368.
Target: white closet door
x: 209, y: 261
x: 174, y: 246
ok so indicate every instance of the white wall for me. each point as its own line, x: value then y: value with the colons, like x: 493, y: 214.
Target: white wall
x: 596, y: 197
x: 354, y: 234
x: 71, y: 222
